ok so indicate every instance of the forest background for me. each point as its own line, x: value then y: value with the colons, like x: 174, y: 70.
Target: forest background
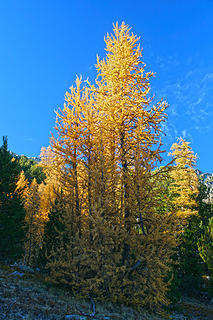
x: 100, y: 213
x: 104, y: 211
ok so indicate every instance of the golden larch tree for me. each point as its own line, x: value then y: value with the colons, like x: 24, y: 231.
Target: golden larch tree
x: 116, y: 243
x: 184, y: 185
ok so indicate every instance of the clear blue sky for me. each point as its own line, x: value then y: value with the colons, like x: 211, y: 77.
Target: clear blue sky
x: 45, y: 44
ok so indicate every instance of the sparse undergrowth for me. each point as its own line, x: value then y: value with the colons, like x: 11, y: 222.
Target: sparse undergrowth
x: 27, y: 296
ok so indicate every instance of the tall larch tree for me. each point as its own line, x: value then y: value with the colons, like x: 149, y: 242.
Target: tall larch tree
x: 133, y: 127
x: 118, y: 244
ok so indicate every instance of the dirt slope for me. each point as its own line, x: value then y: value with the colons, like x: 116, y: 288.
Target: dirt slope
x: 24, y: 295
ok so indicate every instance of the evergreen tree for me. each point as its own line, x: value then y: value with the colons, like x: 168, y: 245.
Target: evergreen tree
x: 11, y: 209
x: 205, y: 241
x: 191, y: 267
x: 31, y: 169
x: 206, y: 245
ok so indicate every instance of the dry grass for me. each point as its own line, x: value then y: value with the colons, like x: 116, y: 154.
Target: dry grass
x: 200, y: 309
x: 29, y: 297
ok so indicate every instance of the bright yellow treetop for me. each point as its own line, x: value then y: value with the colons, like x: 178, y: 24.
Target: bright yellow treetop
x: 185, y: 181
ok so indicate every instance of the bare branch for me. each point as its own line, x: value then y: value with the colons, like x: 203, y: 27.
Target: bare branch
x: 88, y: 314
x: 141, y: 223
x: 136, y: 265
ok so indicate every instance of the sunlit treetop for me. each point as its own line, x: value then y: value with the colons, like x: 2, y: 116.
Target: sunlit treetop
x: 183, y: 154
x: 123, y: 63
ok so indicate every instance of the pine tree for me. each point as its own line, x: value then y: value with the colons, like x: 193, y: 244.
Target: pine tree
x: 31, y: 169
x: 206, y: 245
x: 205, y: 233
x: 11, y: 209
x: 192, y: 268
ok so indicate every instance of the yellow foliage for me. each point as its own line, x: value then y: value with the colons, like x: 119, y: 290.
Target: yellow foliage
x: 184, y: 186
x: 38, y: 201
x: 117, y: 242
x: 33, y: 222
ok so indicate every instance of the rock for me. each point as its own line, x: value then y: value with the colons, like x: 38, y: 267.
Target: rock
x: 22, y: 267
x: 75, y: 317
x: 16, y: 273
x: 78, y: 317
x: 26, y: 268
x: 14, y: 264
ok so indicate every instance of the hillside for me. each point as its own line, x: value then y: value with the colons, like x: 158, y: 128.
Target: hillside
x: 25, y: 295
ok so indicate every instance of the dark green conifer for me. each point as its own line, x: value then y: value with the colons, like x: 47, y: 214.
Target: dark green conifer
x: 191, y: 266
x: 31, y: 169
x: 12, y: 213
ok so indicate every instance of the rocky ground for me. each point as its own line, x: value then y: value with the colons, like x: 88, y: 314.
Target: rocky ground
x: 25, y: 295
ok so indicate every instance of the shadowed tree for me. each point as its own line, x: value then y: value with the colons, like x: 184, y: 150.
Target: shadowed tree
x: 12, y: 213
